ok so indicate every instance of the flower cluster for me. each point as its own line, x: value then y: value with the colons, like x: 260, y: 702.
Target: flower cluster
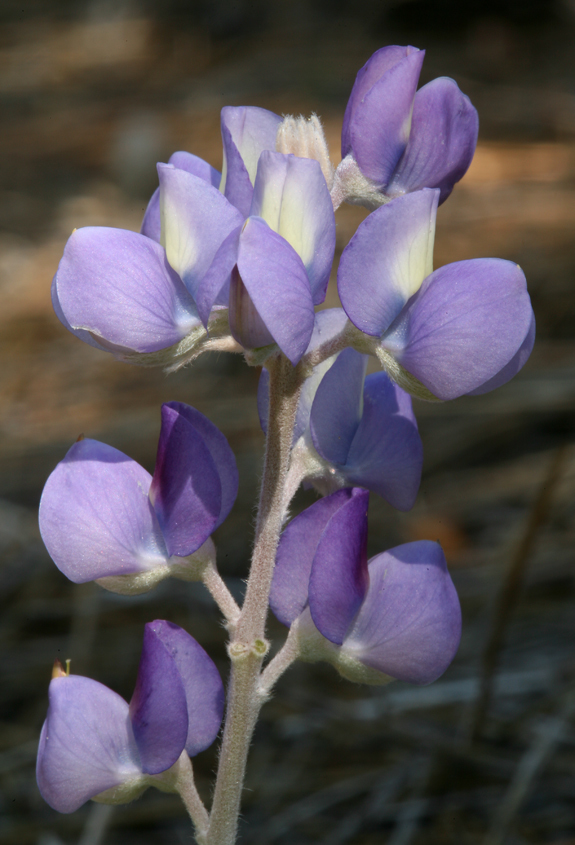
x: 239, y: 261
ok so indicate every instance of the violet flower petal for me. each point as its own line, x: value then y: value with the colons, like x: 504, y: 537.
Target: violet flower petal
x: 277, y: 283
x: 337, y: 407
x: 380, y: 124
x: 387, y: 259
x: 186, y: 491
x: 339, y: 578
x: 246, y: 325
x: 79, y: 333
x: 386, y: 454
x: 151, y: 224
x: 296, y: 551
x: 215, y: 284
x: 158, y: 708
x: 512, y: 368
x: 196, y: 220
x: 441, y: 143
x: 246, y: 132
x: 201, y: 681
x: 95, y: 516
x: 372, y: 71
x: 86, y: 745
x: 119, y: 286
x: 410, y: 622
x: 220, y: 451
x: 292, y: 196
x: 463, y: 326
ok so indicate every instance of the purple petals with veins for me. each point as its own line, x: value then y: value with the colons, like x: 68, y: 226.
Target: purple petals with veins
x: 400, y: 140
x: 398, y: 617
x: 365, y: 428
x: 102, y: 515
x: 151, y: 224
x: 345, y: 512
x: 387, y: 259
x: 454, y: 329
x: 442, y: 141
x: 291, y: 195
x: 273, y: 276
x: 93, y: 741
x: 119, y: 286
x: 409, y: 625
x: 466, y: 324
x: 377, y: 130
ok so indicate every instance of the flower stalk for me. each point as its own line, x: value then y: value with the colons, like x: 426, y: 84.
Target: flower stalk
x: 249, y: 647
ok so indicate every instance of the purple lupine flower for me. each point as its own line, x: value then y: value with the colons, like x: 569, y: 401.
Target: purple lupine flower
x: 395, y: 140
x: 121, y: 291
x: 103, y: 515
x: 396, y: 616
x: 467, y: 327
x: 362, y: 429
x: 117, y: 292
x: 94, y: 742
x: 366, y: 429
x: 279, y: 259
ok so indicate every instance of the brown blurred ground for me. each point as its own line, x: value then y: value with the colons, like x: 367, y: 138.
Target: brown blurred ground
x: 92, y: 96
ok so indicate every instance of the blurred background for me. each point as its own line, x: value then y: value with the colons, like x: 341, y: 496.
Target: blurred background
x: 92, y: 94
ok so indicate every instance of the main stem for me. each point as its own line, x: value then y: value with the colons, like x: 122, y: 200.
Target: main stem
x: 248, y: 648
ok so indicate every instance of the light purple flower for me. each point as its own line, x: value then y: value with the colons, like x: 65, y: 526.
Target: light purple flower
x: 103, y: 515
x: 93, y: 742
x: 467, y: 325
x: 279, y: 259
x: 354, y: 430
x: 397, y: 616
x: 395, y: 140
x: 123, y: 292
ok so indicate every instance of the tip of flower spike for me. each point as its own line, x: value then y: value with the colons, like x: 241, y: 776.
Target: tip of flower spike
x: 305, y: 138
x: 58, y: 670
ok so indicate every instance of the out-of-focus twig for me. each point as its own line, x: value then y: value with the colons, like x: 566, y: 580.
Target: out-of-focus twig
x: 511, y: 587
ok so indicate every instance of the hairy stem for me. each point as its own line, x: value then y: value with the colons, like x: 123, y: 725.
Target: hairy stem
x: 288, y: 653
x: 284, y: 390
x: 248, y: 648
x: 220, y: 593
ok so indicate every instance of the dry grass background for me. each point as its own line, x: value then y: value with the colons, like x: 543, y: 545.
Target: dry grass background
x: 92, y: 95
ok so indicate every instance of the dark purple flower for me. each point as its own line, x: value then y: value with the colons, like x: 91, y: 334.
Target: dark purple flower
x: 103, y: 515
x: 395, y: 140
x: 93, y: 742
x: 467, y: 325
x: 397, y: 616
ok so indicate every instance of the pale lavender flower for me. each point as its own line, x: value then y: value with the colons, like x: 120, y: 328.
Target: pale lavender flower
x: 466, y: 327
x: 103, y: 515
x: 96, y: 745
